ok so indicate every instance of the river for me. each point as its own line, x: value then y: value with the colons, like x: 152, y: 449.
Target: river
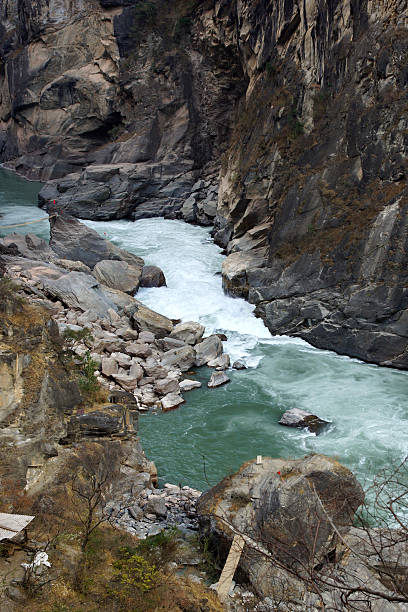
x: 216, y: 430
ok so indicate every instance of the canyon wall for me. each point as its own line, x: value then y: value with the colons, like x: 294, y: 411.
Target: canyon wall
x: 301, y: 106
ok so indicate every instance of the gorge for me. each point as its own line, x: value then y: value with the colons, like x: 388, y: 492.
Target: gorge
x: 256, y: 152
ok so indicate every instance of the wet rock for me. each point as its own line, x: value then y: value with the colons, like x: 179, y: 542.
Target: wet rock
x: 217, y: 379
x: 189, y: 332
x: 171, y: 401
x: 300, y: 418
x: 221, y: 363
x: 239, y: 365
x: 183, y: 358
x: 189, y: 385
x: 152, y: 276
x: 118, y: 275
x: 210, y: 348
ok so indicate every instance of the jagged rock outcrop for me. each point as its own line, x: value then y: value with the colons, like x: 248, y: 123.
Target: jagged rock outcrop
x: 312, y: 193
x: 313, y: 199
x: 126, y: 87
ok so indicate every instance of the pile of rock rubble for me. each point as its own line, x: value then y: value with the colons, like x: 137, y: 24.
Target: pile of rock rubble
x: 89, y: 283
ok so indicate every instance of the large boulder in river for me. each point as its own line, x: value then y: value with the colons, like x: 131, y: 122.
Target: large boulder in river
x: 207, y: 350
x: 118, y: 275
x: 288, y: 509
x: 73, y: 240
x: 189, y: 332
x: 295, y: 417
x: 152, y: 276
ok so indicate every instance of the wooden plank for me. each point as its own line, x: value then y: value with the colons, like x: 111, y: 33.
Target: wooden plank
x: 234, y: 555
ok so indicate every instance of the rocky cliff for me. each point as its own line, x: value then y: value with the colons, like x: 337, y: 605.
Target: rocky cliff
x: 301, y: 105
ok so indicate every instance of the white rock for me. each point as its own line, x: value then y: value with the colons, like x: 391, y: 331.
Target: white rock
x: 188, y: 385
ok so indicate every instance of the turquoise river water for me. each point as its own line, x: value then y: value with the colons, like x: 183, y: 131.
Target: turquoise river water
x: 216, y: 430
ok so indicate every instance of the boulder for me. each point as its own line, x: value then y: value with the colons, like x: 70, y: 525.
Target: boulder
x: 239, y: 365
x: 217, y: 379
x: 156, y: 505
x: 109, y: 366
x: 171, y: 401
x: 127, y: 382
x: 164, y: 386
x: 171, y: 343
x: 189, y: 332
x: 182, y: 357
x: 138, y: 349
x: 221, y: 363
x: 154, y: 369
x: 73, y: 240
x: 189, y: 385
x: 210, y: 348
x: 79, y: 290
x: 295, y: 417
x: 146, y: 337
x: 152, y: 276
x: 146, y: 319
x: 122, y: 359
x: 283, y: 507
x: 118, y: 275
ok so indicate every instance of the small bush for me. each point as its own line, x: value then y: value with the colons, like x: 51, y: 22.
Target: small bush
x: 159, y: 549
x: 9, y: 298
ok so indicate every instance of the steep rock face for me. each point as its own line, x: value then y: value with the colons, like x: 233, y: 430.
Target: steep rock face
x: 59, y: 64
x: 123, y: 86
x: 36, y: 392
x: 313, y: 201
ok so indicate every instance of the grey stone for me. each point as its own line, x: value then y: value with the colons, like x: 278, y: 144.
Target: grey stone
x: 189, y: 385
x: 171, y: 401
x: 221, y: 363
x: 156, y: 505
x: 164, y: 386
x: 118, y: 275
x: 152, y: 276
x: 148, y: 320
x: 189, y: 332
x: 239, y: 365
x: 210, y: 348
x: 73, y: 240
x: 295, y: 417
x: 109, y: 366
x: 183, y: 358
x: 217, y: 379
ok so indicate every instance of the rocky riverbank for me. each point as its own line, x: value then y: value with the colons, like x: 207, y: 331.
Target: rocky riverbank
x: 88, y: 285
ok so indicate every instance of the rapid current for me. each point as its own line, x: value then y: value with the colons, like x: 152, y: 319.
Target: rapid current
x: 216, y: 430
